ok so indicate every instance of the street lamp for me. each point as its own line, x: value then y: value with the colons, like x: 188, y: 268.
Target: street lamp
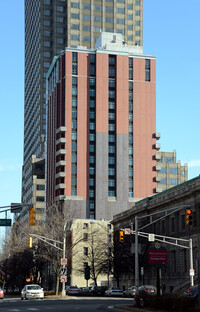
x: 108, y: 250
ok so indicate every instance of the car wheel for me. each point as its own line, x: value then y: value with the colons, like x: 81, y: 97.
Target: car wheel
x: 26, y: 298
x: 22, y: 298
x: 141, y: 302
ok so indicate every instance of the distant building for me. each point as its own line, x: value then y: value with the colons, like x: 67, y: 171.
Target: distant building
x: 101, y: 127
x: 91, y: 244
x: 170, y: 171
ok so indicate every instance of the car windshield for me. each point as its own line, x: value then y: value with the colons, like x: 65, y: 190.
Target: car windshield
x: 33, y: 287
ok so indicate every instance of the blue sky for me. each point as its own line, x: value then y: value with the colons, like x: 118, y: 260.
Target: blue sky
x: 171, y: 33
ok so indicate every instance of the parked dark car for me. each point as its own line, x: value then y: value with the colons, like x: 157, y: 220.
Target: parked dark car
x: 191, y: 292
x: 143, y: 292
x: 97, y: 290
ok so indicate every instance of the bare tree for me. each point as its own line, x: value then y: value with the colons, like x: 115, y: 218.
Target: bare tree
x: 95, y: 247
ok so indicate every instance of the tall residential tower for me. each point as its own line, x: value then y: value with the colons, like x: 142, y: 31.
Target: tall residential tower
x: 101, y: 127
x: 50, y: 26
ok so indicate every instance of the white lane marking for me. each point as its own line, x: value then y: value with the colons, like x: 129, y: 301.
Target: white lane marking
x: 110, y: 307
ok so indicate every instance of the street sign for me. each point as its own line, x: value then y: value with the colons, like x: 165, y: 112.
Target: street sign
x: 5, y: 222
x: 191, y: 272
x: 63, y: 279
x: 151, y: 238
x: 127, y: 231
x: 63, y: 261
x: 157, y: 255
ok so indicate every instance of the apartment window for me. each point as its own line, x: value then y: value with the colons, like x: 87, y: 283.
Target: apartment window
x: 47, y: 54
x: 97, y: 18
x: 60, y: 9
x: 147, y: 70
x: 137, y: 2
x: 75, y: 26
x: 173, y: 181
x: 85, y: 237
x: 131, y: 68
x: 137, y: 33
x: 60, y: 40
x: 121, y: 21
x: 120, y: 10
x: 85, y: 251
x: 40, y: 198
x: 40, y: 187
x: 130, y: 6
x: 121, y: 31
x: 60, y: 30
x: 120, y: 1
x: 48, y: 2
x: 137, y: 23
x: 130, y: 17
x: 75, y: 5
x: 85, y: 225
x: 86, y: 28
x: 98, y: 8
x: 47, y: 44
x: 163, y: 170
x: 130, y: 27
x: 182, y: 173
x: 86, y: 6
x: 109, y: 9
x: 109, y: 30
x: 60, y: 19
x: 130, y: 38
x: 86, y: 17
x: 47, y: 23
x: 169, y: 159
x: 97, y: 29
x: 137, y: 12
x: 47, y: 12
x: 173, y: 170
x: 163, y: 181
x: 86, y: 39
x: 109, y: 20
x: 75, y: 37
x: 75, y: 15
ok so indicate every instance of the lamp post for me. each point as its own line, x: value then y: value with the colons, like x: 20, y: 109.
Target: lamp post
x: 108, y: 248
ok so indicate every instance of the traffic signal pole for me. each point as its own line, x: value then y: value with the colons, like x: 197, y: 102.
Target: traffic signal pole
x: 191, y: 263
x: 136, y: 254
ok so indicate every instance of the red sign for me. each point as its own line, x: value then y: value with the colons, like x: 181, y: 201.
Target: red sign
x: 157, y: 256
x: 63, y: 261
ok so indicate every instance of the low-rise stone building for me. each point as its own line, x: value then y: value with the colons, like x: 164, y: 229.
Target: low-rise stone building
x: 172, y: 223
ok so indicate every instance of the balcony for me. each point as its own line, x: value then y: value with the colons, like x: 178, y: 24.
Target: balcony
x: 61, y: 140
x: 157, y: 168
x: 61, y: 163
x: 158, y: 156
x: 61, y: 129
x: 61, y: 152
x: 60, y: 175
x: 157, y: 146
x: 157, y: 135
x: 60, y: 186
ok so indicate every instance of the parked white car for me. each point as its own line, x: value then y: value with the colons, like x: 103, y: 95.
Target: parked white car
x: 32, y: 291
x: 114, y: 291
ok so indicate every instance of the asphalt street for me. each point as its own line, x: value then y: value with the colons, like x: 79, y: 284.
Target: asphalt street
x: 64, y: 305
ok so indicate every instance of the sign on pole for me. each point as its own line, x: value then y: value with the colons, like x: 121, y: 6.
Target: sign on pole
x: 151, y: 238
x: 63, y: 261
x: 127, y: 231
x: 63, y: 279
x: 5, y: 222
x: 157, y: 255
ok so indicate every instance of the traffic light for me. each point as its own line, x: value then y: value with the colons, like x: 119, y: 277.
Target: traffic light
x: 30, y: 242
x: 121, y: 236
x: 32, y: 216
x: 188, y: 217
x: 87, y: 272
